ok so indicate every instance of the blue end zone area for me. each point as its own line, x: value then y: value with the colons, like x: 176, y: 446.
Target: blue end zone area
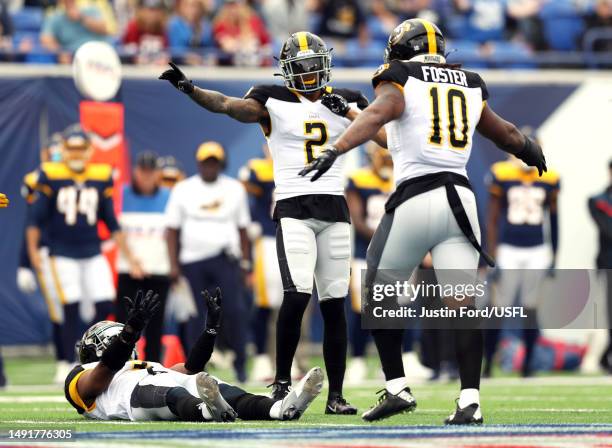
x: 322, y: 433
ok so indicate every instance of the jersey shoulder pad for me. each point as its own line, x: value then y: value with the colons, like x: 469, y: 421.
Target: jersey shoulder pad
x: 54, y: 171
x: 31, y: 178
x: 505, y: 171
x: 264, y: 92
x: 364, y: 178
x: 395, y: 71
x: 262, y: 169
x: 99, y: 171
x: 550, y: 177
x: 71, y: 392
x: 350, y: 95
x: 474, y: 80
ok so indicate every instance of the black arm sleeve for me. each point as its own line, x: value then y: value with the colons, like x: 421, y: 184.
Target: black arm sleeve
x: 201, y: 351
x: 119, y: 351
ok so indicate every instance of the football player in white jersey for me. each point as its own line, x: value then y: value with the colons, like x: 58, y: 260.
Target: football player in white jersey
x: 430, y: 110
x: 110, y: 384
x: 313, y: 230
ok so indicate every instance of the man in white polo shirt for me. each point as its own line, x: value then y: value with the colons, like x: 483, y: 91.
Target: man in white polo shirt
x: 207, y: 216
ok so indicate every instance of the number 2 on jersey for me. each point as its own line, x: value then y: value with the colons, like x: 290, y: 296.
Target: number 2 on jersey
x: 311, y: 128
x: 454, y: 98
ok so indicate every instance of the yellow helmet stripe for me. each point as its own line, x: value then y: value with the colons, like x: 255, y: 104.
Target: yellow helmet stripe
x: 302, y: 41
x: 431, y: 36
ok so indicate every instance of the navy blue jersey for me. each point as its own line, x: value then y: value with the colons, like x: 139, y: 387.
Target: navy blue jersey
x: 525, y: 200
x: 28, y: 191
x: 258, y: 179
x: 374, y: 193
x: 69, y: 205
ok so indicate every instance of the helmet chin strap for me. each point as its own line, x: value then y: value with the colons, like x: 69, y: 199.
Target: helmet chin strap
x: 429, y: 59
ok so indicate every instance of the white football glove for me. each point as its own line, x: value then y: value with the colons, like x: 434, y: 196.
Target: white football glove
x: 26, y: 280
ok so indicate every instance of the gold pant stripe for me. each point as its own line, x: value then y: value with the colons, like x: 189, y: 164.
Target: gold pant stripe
x: 56, y: 280
x: 45, y: 292
x: 261, y: 293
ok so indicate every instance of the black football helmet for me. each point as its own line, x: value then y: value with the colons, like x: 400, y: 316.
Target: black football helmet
x: 305, y: 62
x: 416, y: 37
x: 97, y: 339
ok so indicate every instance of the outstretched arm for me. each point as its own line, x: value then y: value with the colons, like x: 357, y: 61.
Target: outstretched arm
x: 244, y: 110
x: 381, y: 136
x: 509, y: 139
x: 388, y: 105
x: 203, y: 348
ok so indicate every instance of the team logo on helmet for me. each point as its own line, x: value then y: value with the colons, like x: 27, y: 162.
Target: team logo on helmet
x: 399, y: 31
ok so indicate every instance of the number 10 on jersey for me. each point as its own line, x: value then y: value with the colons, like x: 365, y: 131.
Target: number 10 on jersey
x: 457, y: 119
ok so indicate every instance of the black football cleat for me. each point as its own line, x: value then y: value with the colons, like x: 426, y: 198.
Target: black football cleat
x: 339, y: 406
x: 280, y: 389
x: 389, y: 405
x: 469, y: 415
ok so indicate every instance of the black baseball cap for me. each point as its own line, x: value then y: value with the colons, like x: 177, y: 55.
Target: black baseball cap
x: 147, y: 160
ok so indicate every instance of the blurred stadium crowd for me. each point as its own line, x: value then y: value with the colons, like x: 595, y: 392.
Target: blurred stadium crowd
x: 485, y: 33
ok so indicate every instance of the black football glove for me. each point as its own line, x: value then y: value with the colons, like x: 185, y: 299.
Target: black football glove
x: 532, y: 155
x: 321, y: 164
x: 213, y: 316
x: 178, y: 79
x: 336, y: 103
x: 140, y: 310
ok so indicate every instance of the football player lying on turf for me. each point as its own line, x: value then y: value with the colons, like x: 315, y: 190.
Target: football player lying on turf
x: 111, y: 384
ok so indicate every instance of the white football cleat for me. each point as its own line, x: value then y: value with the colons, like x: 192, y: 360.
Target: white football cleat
x: 208, y: 390
x: 300, y: 396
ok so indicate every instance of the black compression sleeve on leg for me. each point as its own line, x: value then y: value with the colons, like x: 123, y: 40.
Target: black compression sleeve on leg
x: 389, y: 345
x: 253, y: 407
x: 334, y: 343
x: 119, y: 351
x: 288, y: 328
x: 201, y: 351
x: 469, y: 346
x: 184, y: 405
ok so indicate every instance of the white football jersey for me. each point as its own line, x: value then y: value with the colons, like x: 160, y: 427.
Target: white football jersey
x: 114, y: 403
x: 436, y: 129
x: 299, y: 128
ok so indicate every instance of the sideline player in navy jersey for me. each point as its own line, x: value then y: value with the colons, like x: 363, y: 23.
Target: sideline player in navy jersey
x: 71, y: 197
x: 430, y: 110
x: 520, y: 205
x: 28, y: 280
x: 313, y: 230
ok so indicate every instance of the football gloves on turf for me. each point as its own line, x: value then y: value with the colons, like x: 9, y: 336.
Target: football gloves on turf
x: 140, y: 310
x: 322, y: 163
x: 213, y: 305
x: 532, y: 155
x: 336, y: 103
x: 178, y: 79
